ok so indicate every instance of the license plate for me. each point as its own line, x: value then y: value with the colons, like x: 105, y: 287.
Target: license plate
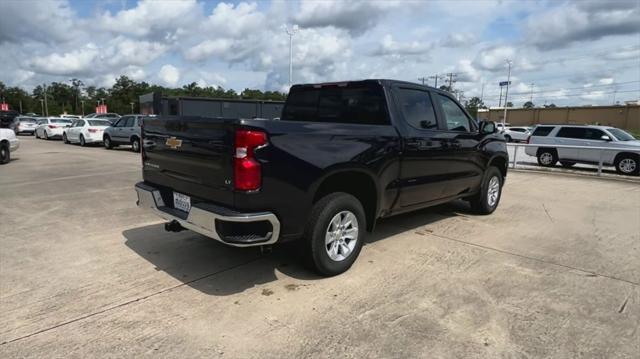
x: 181, y: 202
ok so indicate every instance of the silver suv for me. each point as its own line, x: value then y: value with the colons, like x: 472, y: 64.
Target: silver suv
x: 125, y: 131
x: 625, y: 156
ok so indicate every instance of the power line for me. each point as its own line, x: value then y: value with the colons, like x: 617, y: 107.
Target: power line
x: 580, y: 94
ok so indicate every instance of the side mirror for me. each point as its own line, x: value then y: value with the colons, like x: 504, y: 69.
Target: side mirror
x: 488, y: 127
x: 605, y: 138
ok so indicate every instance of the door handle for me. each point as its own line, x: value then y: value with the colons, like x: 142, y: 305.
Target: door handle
x: 455, y: 144
x: 419, y: 144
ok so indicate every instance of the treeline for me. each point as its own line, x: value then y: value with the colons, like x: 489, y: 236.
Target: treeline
x: 73, y: 97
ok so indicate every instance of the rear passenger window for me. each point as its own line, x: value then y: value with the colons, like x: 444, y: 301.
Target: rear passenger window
x: 455, y: 117
x: 129, y: 122
x: 357, y: 104
x: 542, y: 131
x: 417, y: 108
x: 572, y: 132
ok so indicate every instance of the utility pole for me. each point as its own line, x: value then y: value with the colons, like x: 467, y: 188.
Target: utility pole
x: 506, y: 94
x: 451, y: 76
x: 531, y: 98
x: 435, y: 77
x: 423, y: 79
x: 46, y: 106
x: 82, y: 102
x: 20, y: 106
x: 131, y: 103
x: 500, y: 101
x: 482, y: 93
x: 291, y: 31
x: 42, y: 106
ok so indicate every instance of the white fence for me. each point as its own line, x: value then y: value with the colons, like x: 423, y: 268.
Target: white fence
x: 601, y: 149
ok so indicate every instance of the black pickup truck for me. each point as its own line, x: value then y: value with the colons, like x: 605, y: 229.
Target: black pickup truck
x: 342, y: 156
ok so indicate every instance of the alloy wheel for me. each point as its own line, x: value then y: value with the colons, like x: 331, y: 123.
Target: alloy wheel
x: 341, y: 236
x: 493, y: 191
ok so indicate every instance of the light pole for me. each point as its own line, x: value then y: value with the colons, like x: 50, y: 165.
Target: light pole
x: 46, y: 106
x: 82, y: 102
x: 42, y: 106
x: 506, y: 94
x: 291, y: 31
x: 131, y: 103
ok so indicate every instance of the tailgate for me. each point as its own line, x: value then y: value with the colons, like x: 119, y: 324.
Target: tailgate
x: 190, y: 155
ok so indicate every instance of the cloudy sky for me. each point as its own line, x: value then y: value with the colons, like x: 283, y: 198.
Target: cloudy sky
x: 578, y: 52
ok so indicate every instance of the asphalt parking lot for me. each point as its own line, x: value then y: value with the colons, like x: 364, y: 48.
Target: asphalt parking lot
x: 554, y: 273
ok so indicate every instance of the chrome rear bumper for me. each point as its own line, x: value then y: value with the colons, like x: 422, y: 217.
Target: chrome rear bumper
x: 205, y: 218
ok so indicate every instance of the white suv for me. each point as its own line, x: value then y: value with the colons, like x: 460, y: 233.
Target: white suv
x: 625, y: 156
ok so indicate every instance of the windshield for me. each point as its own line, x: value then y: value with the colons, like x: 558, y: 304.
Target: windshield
x: 99, y: 123
x: 620, y: 135
x: 28, y: 120
x: 61, y: 120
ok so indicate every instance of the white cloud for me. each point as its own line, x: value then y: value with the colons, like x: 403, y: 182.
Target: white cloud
x: 235, y: 21
x: 36, y: 21
x: 169, y: 75
x: 76, y: 62
x: 458, y: 39
x: 207, y: 48
x: 388, y: 46
x: 494, y: 58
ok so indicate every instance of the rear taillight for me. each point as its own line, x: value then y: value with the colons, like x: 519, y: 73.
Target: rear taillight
x: 247, y: 170
x: 93, y: 130
x: 53, y: 126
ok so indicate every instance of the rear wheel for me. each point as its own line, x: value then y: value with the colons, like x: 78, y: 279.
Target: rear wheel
x: 627, y: 164
x: 135, y: 144
x: 487, y: 200
x: 547, y: 157
x: 5, y: 153
x: 566, y: 164
x: 65, y: 139
x: 508, y: 138
x: 334, y: 233
x: 82, y: 141
x: 107, y: 142
x: 35, y: 133
x: 45, y: 135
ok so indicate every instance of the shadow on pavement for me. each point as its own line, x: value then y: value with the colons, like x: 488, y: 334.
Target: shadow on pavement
x: 217, y: 269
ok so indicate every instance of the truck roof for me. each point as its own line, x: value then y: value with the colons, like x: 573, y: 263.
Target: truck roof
x: 385, y: 82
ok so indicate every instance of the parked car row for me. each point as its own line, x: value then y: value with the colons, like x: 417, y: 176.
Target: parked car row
x: 97, y: 129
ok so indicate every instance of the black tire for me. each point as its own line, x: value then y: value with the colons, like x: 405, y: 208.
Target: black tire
x: 628, y: 164
x: 5, y: 153
x: 316, y: 251
x: 508, y: 138
x: 107, y: 142
x: 65, y: 139
x: 35, y: 133
x: 82, y: 141
x: 481, y: 203
x: 547, y: 157
x: 135, y: 144
x: 566, y: 164
x: 45, y: 135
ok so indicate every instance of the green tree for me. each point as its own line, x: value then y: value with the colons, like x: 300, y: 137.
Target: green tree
x: 473, y: 105
x: 551, y: 105
x: 509, y: 104
x: 528, y: 104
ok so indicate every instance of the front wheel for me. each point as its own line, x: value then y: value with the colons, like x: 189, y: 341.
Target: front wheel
x: 508, y: 138
x: 135, y: 145
x: 5, y: 153
x: 487, y: 200
x: 547, y: 157
x: 65, y: 139
x: 107, y: 142
x: 45, y: 135
x: 628, y: 165
x: 82, y: 141
x: 334, y: 233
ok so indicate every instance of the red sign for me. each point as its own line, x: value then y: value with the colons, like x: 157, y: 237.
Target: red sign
x: 4, y: 106
x: 101, y: 109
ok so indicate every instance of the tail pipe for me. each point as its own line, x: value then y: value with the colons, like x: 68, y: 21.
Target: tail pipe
x: 173, y: 226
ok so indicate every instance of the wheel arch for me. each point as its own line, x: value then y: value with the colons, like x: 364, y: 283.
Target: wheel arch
x: 356, y: 182
x: 501, y: 162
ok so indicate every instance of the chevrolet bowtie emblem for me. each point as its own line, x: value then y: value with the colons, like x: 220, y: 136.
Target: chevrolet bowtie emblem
x: 173, y: 142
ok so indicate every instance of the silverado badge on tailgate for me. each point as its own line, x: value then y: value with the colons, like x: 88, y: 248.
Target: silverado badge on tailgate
x: 173, y: 142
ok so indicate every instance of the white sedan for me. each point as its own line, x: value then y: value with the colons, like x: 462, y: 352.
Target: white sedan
x: 51, y: 127
x: 8, y: 144
x: 85, y: 131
